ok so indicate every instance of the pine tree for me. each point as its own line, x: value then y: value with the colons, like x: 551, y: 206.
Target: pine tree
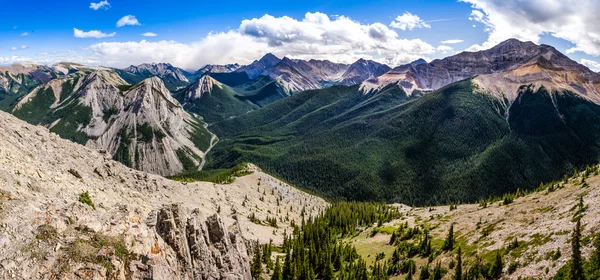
x: 458, y: 271
x: 437, y: 272
x: 576, y: 264
x: 449, y: 242
x: 424, y: 275
x: 496, y: 268
x: 593, y: 266
x: 256, y: 266
x: 277, y: 274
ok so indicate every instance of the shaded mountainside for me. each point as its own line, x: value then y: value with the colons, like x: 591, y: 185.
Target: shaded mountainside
x: 456, y: 144
x: 70, y: 212
x: 140, y: 125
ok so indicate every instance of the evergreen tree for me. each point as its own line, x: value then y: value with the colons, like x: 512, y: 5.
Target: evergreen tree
x: 449, y: 242
x: 576, y: 263
x: 256, y: 266
x: 458, y: 271
x: 437, y: 272
x: 287, y: 267
x: 277, y: 274
x: 496, y: 268
x: 424, y: 275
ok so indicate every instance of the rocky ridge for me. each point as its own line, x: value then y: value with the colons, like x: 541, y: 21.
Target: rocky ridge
x: 134, y: 225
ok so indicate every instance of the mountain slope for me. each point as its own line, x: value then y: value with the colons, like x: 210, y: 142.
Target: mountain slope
x: 140, y: 125
x: 141, y: 226
x: 456, y: 144
x: 531, y: 232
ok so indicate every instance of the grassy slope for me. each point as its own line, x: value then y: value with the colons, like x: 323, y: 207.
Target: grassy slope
x: 450, y: 145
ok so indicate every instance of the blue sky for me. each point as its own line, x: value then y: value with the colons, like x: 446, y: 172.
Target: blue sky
x: 43, y: 31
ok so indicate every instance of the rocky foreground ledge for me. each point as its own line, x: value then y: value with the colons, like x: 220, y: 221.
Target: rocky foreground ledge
x: 69, y: 212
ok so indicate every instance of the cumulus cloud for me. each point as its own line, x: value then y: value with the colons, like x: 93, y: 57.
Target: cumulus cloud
x: 593, y: 65
x: 453, y: 41
x: 91, y: 34
x: 149, y: 34
x: 317, y: 35
x: 127, y: 20
x: 408, y: 21
x: 100, y: 5
x: 24, y: 34
x: 574, y: 21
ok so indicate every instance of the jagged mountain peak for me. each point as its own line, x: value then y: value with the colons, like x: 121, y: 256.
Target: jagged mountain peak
x: 269, y: 58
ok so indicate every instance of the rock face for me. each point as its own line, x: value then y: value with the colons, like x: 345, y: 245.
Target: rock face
x: 135, y: 225
x: 523, y: 63
x: 142, y: 126
x: 204, y: 248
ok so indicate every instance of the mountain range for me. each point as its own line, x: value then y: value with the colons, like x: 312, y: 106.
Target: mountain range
x: 424, y: 132
x: 164, y: 173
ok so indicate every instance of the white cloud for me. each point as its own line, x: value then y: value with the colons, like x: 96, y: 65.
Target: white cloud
x: 574, y: 21
x: 91, y: 34
x: 22, y: 47
x: 149, y: 34
x: 444, y: 49
x: 100, y: 5
x: 24, y: 34
x: 453, y: 41
x: 128, y: 20
x: 593, y: 65
x: 317, y: 35
x: 408, y: 21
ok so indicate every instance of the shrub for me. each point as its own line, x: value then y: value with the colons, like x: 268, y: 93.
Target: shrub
x: 85, y: 198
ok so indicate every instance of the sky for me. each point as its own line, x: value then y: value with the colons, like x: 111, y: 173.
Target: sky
x: 191, y: 34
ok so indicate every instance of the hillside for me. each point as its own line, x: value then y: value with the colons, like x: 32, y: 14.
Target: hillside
x: 70, y: 212
x: 459, y: 143
x: 541, y: 223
